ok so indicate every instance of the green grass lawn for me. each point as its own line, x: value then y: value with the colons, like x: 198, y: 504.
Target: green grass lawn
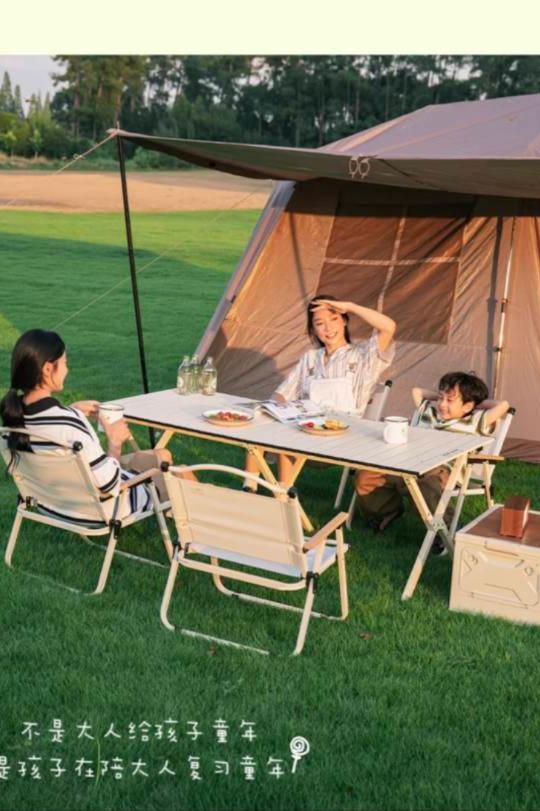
x: 405, y: 706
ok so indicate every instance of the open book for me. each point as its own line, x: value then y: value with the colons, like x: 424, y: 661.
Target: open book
x: 292, y: 411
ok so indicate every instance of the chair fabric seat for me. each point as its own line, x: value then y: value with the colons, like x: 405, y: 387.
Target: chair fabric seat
x: 328, y: 558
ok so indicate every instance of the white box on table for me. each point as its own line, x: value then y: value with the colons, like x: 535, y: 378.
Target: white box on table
x: 496, y: 575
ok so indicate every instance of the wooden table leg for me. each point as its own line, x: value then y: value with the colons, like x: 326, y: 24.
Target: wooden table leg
x: 266, y: 472
x: 461, y: 499
x: 434, y: 522
x: 164, y: 439
x: 296, y: 469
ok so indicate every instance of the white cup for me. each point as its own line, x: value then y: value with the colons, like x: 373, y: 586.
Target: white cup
x: 110, y: 412
x: 396, y: 430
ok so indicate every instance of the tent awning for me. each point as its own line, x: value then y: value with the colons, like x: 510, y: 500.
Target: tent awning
x: 249, y: 160
x: 481, y: 148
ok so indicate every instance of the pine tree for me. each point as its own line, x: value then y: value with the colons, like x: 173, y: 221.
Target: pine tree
x: 6, y: 95
x: 17, y: 102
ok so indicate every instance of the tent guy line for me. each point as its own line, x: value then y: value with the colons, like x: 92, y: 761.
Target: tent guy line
x: 63, y: 168
x: 148, y: 265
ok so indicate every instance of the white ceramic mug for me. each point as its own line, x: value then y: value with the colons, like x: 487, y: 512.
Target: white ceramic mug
x: 110, y: 412
x: 396, y: 430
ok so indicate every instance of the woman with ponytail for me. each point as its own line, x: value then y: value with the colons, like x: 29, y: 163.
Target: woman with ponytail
x: 38, y: 370
x: 31, y: 353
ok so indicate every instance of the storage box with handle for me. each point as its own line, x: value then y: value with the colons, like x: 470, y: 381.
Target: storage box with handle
x: 497, y: 575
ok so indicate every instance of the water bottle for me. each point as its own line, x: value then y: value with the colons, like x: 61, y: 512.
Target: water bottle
x: 195, y: 374
x: 182, y: 377
x: 209, y: 378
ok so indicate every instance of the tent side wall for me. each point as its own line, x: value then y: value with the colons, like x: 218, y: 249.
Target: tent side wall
x: 435, y: 262
x: 520, y: 362
x: 263, y: 332
x: 261, y: 233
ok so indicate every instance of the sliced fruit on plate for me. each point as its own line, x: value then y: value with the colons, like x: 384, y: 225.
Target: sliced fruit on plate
x: 335, y: 425
x: 228, y: 416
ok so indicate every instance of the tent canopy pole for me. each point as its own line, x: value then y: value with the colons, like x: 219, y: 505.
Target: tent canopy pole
x: 133, y: 272
x: 504, y: 301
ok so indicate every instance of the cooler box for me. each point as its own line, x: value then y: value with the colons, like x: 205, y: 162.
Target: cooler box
x: 496, y: 575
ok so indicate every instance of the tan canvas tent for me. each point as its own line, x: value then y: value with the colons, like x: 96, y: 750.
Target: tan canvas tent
x: 433, y: 217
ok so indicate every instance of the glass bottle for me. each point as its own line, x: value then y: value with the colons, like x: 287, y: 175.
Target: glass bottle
x: 182, y: 377
x: 195, y: 374
x: 209, y: 378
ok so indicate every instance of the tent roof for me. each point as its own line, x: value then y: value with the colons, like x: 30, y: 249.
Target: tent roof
x: 489, y: 147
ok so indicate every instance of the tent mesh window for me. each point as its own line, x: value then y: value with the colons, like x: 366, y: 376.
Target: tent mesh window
x: 401, y: 259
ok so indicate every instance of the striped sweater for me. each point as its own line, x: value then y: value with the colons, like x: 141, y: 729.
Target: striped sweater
x: 56, y: 423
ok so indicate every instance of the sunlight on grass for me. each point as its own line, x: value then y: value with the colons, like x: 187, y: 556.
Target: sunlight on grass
x: 8, y: 334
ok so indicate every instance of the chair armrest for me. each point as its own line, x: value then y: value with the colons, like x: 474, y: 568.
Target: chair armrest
x: 324, y: 532
x: 485, y: 457
x: 139, y: 478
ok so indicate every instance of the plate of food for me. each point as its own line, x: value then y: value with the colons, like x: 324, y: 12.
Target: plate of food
x: 228, y: 417
x: 324, y: 427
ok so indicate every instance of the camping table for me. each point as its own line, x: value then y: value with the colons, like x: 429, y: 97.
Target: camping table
x: 361, y: 447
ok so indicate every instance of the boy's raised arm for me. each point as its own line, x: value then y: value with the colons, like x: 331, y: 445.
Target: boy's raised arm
x: 495, y: 410
x: 419, y: 394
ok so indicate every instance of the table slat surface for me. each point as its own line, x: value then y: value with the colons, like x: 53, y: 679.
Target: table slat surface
x: 361, y: 445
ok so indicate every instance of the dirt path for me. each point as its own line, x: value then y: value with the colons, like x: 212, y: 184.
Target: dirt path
x: 148, y: 191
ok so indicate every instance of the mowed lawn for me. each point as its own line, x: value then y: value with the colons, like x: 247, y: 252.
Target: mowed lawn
x: 405, y: 705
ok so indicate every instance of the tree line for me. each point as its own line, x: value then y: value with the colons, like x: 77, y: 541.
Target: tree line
x: 301, y: 101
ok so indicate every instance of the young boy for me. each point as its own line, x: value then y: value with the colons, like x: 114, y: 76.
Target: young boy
x: 455, y: 407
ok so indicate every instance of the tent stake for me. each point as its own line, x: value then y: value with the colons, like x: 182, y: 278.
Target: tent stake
x: 133, y: 272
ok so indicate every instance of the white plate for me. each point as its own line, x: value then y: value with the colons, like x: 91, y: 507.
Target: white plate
x: 303, y: 425
x: 212, y: 416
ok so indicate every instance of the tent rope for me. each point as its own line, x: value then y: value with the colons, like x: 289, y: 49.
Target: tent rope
x: 96, y: 299
x: 126, y: 279
x: 63, y: 168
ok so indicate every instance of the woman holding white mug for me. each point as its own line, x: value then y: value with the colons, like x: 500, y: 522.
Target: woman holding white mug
x: 38, y: 371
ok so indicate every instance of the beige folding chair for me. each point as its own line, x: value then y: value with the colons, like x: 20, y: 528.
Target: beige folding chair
x: 478, y: 477
x: 374, y: 411
x: 257, y: 533
x: 55, y: 485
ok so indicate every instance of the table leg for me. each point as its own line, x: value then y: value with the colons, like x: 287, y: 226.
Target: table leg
x: 434, y: 522
x: 296, y: 469
x: 164, y: 439
x: 266, y: 473
x: 460, y: 499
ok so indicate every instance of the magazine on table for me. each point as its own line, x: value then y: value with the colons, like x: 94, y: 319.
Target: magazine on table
x: 287, y: 412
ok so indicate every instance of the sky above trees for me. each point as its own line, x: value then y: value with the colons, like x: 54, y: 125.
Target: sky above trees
x: 31, y: 73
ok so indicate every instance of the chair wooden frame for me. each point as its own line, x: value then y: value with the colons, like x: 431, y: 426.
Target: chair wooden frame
x: 478, y: 476
x: 77, y: 466
x: 314, y: 555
